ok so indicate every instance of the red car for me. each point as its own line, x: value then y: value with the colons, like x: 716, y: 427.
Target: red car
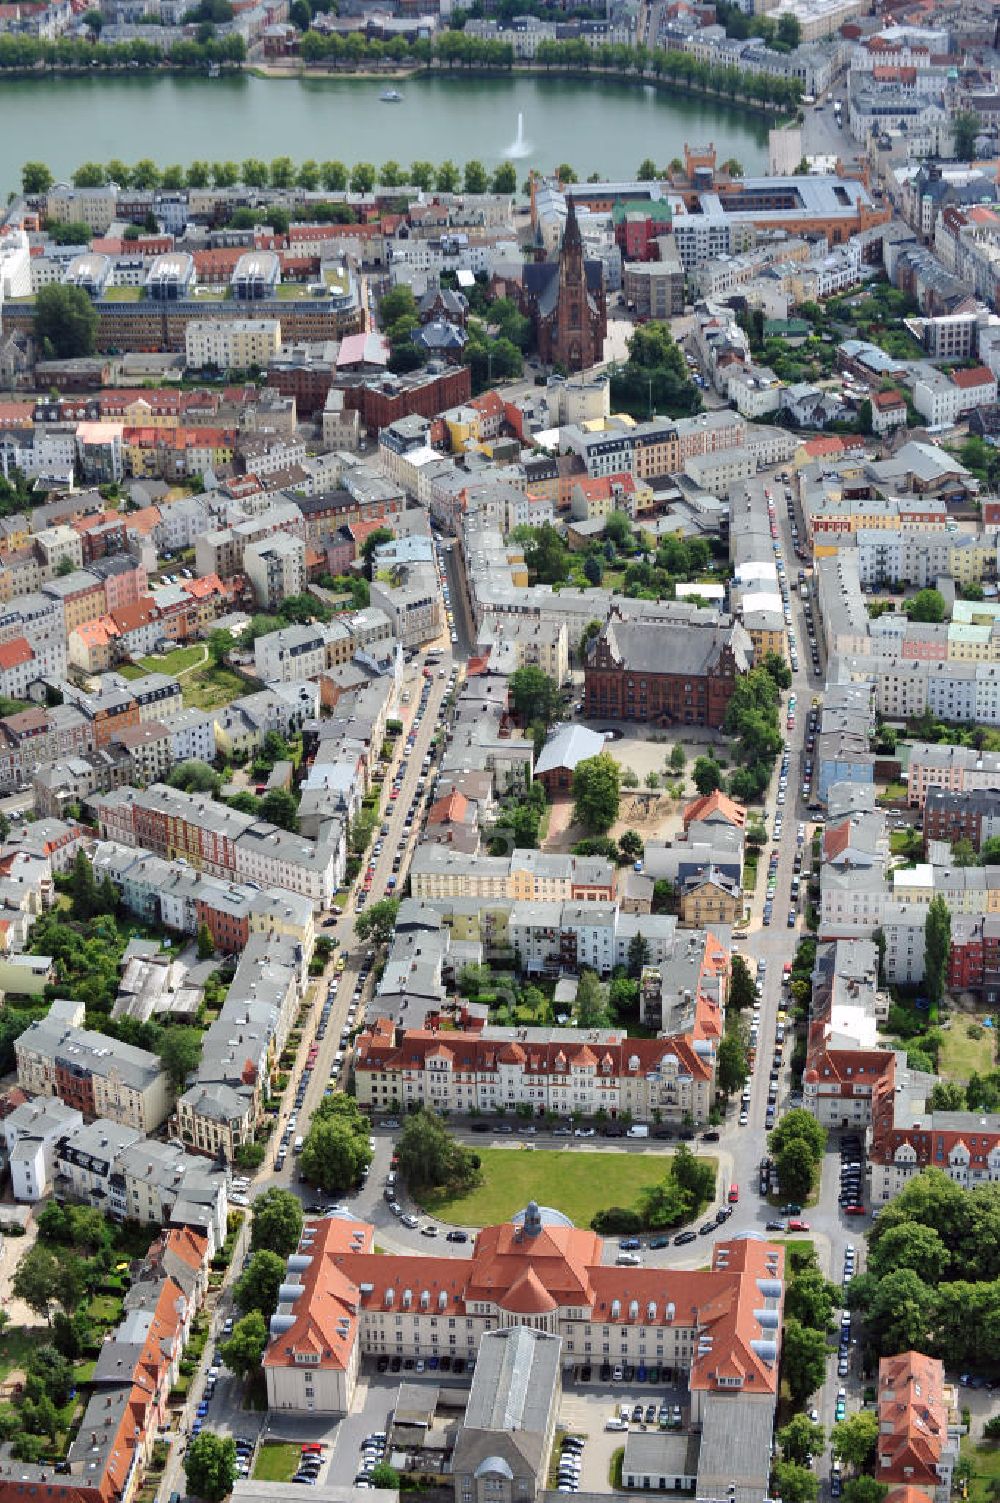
x: 796, y: 1225
x: 854, y: 1211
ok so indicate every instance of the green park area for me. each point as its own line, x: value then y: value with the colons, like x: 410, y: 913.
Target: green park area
x: 178, y: 660
x: 967, y: 1049
x: 213, y: 685
x: 578, y: 1184
x: 206, y: 685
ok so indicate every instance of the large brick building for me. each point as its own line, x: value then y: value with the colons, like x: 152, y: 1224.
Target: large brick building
x: 679, y: 675
x: 566, y: 302
x: 973, y: 815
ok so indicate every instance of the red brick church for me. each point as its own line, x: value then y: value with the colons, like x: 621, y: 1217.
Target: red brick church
x: 565, y: 300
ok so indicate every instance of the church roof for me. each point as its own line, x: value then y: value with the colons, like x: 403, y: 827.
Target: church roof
x: 541, y: 283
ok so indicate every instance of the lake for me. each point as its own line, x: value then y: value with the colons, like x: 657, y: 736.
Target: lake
x: 595, y: 125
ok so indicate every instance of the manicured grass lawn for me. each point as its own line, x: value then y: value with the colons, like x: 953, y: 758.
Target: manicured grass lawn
x: 174, y: 661
x: 961, y: 1056
x: 130, y: 670
x: 276, y: 1462
x: 578, y: 1184
x: 106, y: 1309
x: 985, y: 1459
x: 209, y: 687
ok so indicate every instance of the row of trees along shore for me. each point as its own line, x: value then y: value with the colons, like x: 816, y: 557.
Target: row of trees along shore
x: 456, y: 49
x: 69, y: 54
x: 312, y: 177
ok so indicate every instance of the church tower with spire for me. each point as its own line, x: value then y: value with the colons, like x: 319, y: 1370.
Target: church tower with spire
x: 571, y: 311
x: 572, y: 344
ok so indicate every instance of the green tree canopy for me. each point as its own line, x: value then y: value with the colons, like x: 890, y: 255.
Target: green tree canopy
x: 796, y: 1168
x: 35, y: 179
x: 965, y: 126
x: 245, y: 1347
x: 742, y: 987
x: 596, y: 793
x: 926, y: 605
x: 335, y: 1152
x: 376, y: 925
x: 430, y: 1157
x: 799, y: 1123
x: 810, y: 1298
x: 533, y: 695
x: 257, y: 1287
x: 733, y: 1065
x: 180, y: 1052
x: 803, y: 1359
x: 277, y: 1222
x: 279, y: 807
x: 65, y: 321
x: 911, y: 1245
x: 854, y: 1439
x: 794, y: 1483
x: 591, y: 1002
x: 36, y: 1279
x: 800, y: 1438
x: 937, y: 947
x: 706, y: 775
x: 210, y: 1466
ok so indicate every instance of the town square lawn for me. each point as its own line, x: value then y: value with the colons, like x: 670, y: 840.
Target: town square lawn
x: 575, y: 1181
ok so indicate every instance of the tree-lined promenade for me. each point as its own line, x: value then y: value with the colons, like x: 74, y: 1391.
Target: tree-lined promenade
x: 35, y: 55
x: 449, y: 51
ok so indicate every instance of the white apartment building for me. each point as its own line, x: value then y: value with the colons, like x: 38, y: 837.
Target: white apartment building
x: 294, y: 652
x: 943, y: 397
x: 276, y: 568
x: 192, y: 735
x: 231, y: 344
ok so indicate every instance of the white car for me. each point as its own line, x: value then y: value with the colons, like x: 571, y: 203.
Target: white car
x: 411, y: 1222
x: 586, y: 1132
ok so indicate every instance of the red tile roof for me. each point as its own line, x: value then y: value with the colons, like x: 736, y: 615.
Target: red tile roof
x: 13, y: 654
x: 977, y: 376
x: 913, y: 1419
x: 450, y: 810
x: 715, y: 803
x: 558, y: 1267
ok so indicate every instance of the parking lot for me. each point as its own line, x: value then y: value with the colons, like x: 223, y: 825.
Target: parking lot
x: 585, y: 1410
x: 374, y: 1400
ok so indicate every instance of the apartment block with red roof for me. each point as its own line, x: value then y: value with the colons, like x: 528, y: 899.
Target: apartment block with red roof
x: 846, y: 1067
x: 564, y: 1071
x: 917, y: 1442
x: 340, y: 1300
